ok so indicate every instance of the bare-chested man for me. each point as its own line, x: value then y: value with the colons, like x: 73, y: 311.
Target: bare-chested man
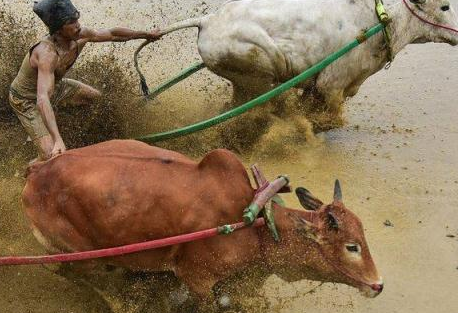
x: 40, y: 83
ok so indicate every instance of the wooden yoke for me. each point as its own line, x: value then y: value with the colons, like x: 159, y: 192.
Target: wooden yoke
x: 266, y: 192
x: 258, y: 176
x: 261, y: 181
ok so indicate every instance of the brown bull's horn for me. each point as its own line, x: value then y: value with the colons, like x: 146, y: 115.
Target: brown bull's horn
x: 337, y: 191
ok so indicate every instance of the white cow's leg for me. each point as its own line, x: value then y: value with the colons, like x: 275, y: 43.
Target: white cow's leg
x: 323, y: 107
x: 334, y: 100
x: 240, y: 95
x: 353, y: 89
x: 241, y: 133
x: 247, y: 55
x: 265, y: 50
x: 248, y: 89
x: 333, y: 109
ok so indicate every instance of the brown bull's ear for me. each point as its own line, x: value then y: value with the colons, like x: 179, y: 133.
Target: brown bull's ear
x: 307, y: 200
x: 304, y: 227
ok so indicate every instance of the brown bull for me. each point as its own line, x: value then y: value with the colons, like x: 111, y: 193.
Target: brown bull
x: 123, y: 192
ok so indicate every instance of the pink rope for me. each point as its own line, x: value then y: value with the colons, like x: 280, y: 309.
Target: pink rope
x: 123, y: 250
x: 428, y: 22
x: 262, y: 188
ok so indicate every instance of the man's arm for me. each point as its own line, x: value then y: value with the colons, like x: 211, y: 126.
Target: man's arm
x: 118, y: 34
x: 45, y: 60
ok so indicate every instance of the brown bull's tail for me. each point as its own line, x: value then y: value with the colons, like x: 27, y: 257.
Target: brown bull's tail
x: 192, y: 22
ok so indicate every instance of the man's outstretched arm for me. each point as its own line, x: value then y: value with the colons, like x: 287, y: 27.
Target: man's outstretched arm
x: 118, y: 34
x: 45, y: 60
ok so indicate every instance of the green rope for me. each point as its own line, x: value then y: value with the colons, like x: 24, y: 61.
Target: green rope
x: 225, y: 230
x: 265, y: 97
x: 269, y: 217
x: 182, y: 75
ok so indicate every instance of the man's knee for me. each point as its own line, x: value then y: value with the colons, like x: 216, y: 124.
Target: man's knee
x: 94, y: 93
x: 89, y: 94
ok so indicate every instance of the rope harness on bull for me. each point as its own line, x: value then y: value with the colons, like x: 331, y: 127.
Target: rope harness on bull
x: 385, y: 20
x: 266, y: 194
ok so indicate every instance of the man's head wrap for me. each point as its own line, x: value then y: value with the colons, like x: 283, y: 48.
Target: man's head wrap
x: 55, y: 13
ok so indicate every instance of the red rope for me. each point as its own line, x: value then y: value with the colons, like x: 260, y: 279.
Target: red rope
x: 123, y: 250
x: 428, y: 22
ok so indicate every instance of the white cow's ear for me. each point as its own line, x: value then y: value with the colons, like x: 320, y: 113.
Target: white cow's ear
x: 304, y: 227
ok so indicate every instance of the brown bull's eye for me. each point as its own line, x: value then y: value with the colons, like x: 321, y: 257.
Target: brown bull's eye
x: 445, y: 8
x: 352, y: 248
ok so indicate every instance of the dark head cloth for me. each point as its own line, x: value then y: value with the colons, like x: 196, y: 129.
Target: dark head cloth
x: 55, y: 13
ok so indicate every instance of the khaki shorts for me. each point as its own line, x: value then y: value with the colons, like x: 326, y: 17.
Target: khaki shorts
x: 28, y: 113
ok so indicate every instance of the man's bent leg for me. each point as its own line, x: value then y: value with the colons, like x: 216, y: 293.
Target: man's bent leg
x: 72, y: 92
x: 30, y: 118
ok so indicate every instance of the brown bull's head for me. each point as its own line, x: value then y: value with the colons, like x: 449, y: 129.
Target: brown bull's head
x: 335, y: 248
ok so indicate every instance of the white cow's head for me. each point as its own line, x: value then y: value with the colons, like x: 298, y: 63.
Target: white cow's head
x: 437, y: 19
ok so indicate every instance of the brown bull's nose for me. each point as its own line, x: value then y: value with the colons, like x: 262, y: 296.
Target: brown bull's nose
x: 377, y: 287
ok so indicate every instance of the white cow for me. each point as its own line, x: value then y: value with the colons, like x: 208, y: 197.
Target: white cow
x: 257, y: 44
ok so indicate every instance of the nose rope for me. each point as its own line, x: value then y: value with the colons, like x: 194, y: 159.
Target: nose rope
x: 428, y: 22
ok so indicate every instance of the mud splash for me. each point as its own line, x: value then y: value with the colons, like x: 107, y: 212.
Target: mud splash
x: 14, y: 43
x: 116, y: 115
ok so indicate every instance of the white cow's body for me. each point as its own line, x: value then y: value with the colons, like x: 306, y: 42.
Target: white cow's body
x: 259, y: 43
x: 255, y: 43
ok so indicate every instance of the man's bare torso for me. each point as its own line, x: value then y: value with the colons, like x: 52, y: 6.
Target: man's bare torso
x: 65, y: 55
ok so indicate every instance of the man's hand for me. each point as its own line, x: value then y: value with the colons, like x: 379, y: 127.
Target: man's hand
x: 155, y: 34
x: 59, y: 147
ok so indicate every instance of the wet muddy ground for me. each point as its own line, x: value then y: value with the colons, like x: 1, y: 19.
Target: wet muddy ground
x: 396, y: 158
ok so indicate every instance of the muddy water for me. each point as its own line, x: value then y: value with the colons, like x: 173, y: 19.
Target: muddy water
x: 395, y: 157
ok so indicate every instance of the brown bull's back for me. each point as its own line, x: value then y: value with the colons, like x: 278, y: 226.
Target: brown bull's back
x: 123, y: 192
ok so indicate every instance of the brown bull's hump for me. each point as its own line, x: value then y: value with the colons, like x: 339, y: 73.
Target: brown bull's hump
x: 127, y: 148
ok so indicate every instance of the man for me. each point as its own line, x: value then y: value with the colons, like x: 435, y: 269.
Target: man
x: 40, y: 79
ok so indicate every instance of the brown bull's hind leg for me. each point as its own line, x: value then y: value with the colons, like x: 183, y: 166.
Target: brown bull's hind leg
x: 86, y: 277
x: 241, y: 291
x: 152, y: 292
x: 201, y: 287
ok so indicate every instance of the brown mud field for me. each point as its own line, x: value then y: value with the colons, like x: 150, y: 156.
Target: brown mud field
x: 396, y: 157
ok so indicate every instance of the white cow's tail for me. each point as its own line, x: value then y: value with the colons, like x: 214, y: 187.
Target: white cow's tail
x: 192, y: 22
